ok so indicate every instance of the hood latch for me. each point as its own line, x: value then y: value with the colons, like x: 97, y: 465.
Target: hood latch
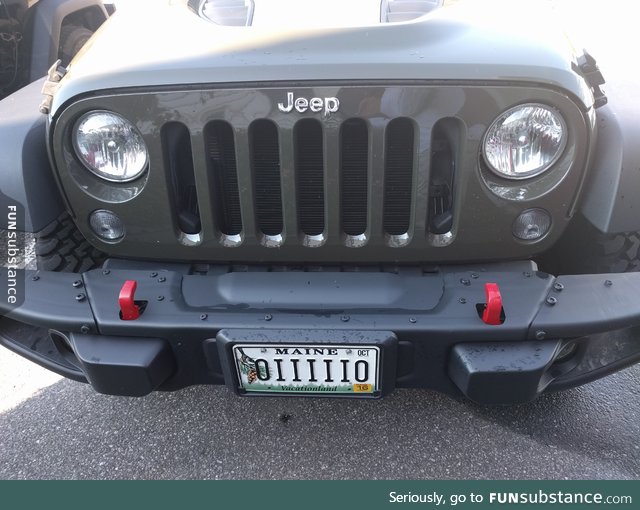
x: 55, y: 74
x: 591, y: 72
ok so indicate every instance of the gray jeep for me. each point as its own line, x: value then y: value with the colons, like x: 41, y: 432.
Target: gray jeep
x: 326, y: 202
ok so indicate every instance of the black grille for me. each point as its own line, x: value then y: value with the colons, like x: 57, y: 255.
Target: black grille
x: 176, y: 141
x: 265, y: 160
x: 221, y: 154
x: 440, y: 216
x: 310, y: 176
x: 352, y: 178
x: 398, y: 176
x: 354, y: 156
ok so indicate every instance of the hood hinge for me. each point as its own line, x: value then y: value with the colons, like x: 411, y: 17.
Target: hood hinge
x: 55, y: 74
x: 589, y: 69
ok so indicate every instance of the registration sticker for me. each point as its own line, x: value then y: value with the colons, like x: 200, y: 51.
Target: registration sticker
x: 308, y: 369
x: 362, y: 388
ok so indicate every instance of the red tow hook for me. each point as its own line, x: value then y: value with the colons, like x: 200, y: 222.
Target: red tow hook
x: 129, y: 311
x: 492, y: 314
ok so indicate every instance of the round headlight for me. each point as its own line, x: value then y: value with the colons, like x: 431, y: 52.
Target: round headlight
x: 525, y: 141
x: 110, y: 146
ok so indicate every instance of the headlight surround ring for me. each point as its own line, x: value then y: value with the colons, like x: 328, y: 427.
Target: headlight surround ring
x: 110, y: 146
x: 525, y: 141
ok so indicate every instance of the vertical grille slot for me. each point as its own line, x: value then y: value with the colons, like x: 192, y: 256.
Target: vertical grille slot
x: 176, y: 141
x: 354, y: 160
x: 221, y: 161
x: 399, y: 154
x: 443, y: 166
x: 265, y: 162
x: 309, y: 162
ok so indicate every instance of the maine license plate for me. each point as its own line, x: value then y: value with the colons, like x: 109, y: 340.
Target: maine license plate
x: 308, y: 369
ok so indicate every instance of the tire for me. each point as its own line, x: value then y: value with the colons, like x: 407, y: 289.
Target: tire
x: 61, y: 247
x: 72, y: 39
x: 586, y: 250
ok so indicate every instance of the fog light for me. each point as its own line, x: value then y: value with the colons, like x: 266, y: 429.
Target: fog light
x: 532, y: 224
x: 106, y: 225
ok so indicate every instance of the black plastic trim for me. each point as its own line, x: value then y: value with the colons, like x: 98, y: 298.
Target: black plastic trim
x: 15, y: 343
x: 493, y: 373
x: 124, y: 366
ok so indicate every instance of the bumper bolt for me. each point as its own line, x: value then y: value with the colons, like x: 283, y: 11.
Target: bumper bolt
x: 77, y: 284
x: 160, y: 298
x: 464, y: 281
x: 35, y: 278
x: 268, y: 317
x: 413, y: 320
x: 345, y: 318
x: 154, y: 274
x: 203, y: 317
x: 85, y: 329
x: 80, y: 298
x: 106, y: 272
x: 551, y: 301
x: 162, y: 279
x: 608, y: 283
x: 558, y: 286
x: 474, y: 276
x: 462, y: 301
x: 541, y: 335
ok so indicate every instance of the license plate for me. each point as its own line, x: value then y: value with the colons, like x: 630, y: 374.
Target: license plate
x: 308, y: 369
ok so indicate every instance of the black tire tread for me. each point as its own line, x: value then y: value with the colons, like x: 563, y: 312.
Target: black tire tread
x: 61, y: 247
x: 72, y: 39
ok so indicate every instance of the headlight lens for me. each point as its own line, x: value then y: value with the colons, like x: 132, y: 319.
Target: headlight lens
x: 525, y: 141
x: 110, y: 146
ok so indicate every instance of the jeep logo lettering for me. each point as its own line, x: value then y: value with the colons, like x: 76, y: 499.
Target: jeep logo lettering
x: 315, y: 104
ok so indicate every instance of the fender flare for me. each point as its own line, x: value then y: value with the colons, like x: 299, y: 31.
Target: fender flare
x: 26, y: 177
x: 612, y: 199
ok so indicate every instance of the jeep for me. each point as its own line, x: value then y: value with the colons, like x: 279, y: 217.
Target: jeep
x: 329, y: 202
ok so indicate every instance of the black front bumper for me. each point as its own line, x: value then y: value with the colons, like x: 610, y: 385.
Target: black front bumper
x: 557, y: 332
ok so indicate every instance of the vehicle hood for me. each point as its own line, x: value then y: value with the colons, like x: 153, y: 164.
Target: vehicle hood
x: 462, y: 42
